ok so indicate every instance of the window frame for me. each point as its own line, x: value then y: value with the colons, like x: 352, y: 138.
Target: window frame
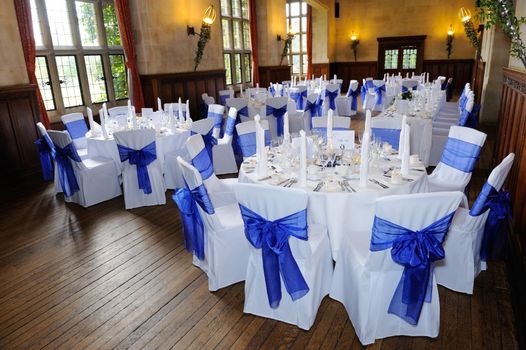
x: 233, y: 51
x: 78, y: 51
x: 400, y: 44
x: 302, y: 53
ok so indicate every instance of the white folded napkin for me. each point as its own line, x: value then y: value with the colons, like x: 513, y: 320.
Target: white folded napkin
x: 159, y: 105
x: 179, y: 111
x: 91, y: 122
x: 302, y: 178
x: 367, y: 127
x: 406, y: 153
x: 286, y: 133
x: 188, y: 118
x: 261, y: 152
x: 103, y: 117
x: 330, y: 114
x: 364, y: 165
x: 401, y: 138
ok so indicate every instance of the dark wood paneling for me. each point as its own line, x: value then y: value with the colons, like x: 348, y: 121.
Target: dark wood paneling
x: 511, y: 138
x: 353, y: 71
x: 273, y: 74
x: 320, y: 69
x: 169, y: 87
x: 19, y: 114
x: 460, y: 70
x: 478, y: 79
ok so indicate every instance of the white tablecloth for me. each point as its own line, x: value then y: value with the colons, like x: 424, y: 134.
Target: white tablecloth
x: 166, y: 142
x: 339, y: 211
x: 421, y: 132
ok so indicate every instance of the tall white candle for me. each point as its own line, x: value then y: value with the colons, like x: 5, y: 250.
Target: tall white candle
x: 367, y: 127
x: 90, y: 120
x: 401, y: 138
x: 329, y: 128
x: 159, y: 105
x: 364, y: 155
x: 303, y: 159
x: 286, y: 133
x: 405, y: 156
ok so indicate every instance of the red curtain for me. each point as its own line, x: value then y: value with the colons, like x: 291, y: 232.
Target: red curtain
x: 309, y: 41
x: 254, y: 41
x: 125, y: 27
x: 25, y: 27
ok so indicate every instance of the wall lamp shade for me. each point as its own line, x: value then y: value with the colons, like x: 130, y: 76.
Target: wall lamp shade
x: 210, y: 15
x: 204, y: 36
x: 464, y: 14
x: 450, y: 30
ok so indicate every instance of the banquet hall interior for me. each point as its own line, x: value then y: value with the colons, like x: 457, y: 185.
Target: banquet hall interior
x: 304, y: 174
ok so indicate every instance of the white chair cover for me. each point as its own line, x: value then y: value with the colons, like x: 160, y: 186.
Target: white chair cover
x: 77, y: 129
x: 202, y: 126
x: 117, y: 111
x: 241, y: 106
x: 453, y: 172
x: 312, y: 256
x: 329, y: 95
x: 463, y: 242
x: 224, y: 95
x: 223, y: 153
x: 97, y: 178
x: 311, y: 110
x: 216, y: 112
x: 246, y: 133
x: 344, y: 104
x: 133, y: 195
x: 365, y: 281
x: 220, y: 191
x: 276, y: 108
x: 225, y: 247
x: 338, y: 123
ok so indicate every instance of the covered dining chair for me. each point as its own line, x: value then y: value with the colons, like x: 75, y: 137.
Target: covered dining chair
x: 223, y: 152
x: 77, y: 129
x: 216, y: 113
x: 289, y: 267
x: 224, y: 95
x: 275, y: 110
x: 347, y: 105
x: 385, y: 277
x: 142, y: 173
x: 247, y: 137
x: 475, y: 234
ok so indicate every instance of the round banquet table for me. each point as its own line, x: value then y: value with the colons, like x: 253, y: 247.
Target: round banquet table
x: 340, y: 211
x: 165, y: 142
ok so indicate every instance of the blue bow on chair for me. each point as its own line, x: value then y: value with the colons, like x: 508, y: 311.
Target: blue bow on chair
x: 46, y: 152
x: 460, y: 155
x: 493, y: 244
x: 298, y: 97
x: 332, y: 97
x: 203, y: 160
x: 278, y: 114
x: 379, y: 90
x: 354, y: 98
x: 187, y: 201
x: 272, y: 90
x: 241, y: 112
x: 363, y: 92
x: 313, y: 109
x: 66, y: 174
x: 141, y: 159
x: 272, y: 237
x: 416, y: 251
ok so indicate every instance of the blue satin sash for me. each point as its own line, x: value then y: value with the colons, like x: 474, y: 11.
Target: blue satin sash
x: 241, y: 112
x: 416, y: 251
x: 332, y: 98
x: 223, y: 99
x: 379, y: 90
x: 203, y: 163
x: 247, y: 143
x: 312, y: 108
x: 77, y: 128
x: 218, y: 121
x: 230, y: 125
x: 272, y: 90
x: 141, y: 159
x: 193, y: 230
x: 369, y: 84
x: 354, y: 98
x: 392, y: 136
x: 46, y: 152
x: 463, y: 117
x: 319, y: 105
x: 66, y: 173
x: 298, y: 98
x: 494, y: 240
x: 460, y: 154
x: 278, y: 114
x: 363, y: 92
x: 272, y: 237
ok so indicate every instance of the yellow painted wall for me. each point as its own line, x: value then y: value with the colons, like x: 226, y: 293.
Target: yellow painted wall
x: 271, y: 23
x: 381, y: 18
x: 12, y: 64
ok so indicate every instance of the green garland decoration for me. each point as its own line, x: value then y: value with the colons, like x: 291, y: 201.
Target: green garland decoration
x: 469, y: 28
x: 449, y: 45
x: 288, y: 42
x: 204, y: 37
x: 502, y: 14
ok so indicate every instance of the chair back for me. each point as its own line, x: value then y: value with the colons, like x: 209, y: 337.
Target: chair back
x: 199, y: 156
x: 216, y: 113
x: 77, y: 128
x: 338, y: 123
x: 299, y: 95
x: 223, y: 95
x: 410, y: 84
x: 202, y: 126
x: 246, y: 133
x: 241, y: 106
x: 116, y: 111
x: 275, y: 113
x: 230, y: 125
x: 387, y: 129
x: 62, y: 139
x: 353, y: 86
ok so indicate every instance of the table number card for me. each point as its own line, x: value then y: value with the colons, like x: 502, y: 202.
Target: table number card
x: 343, y: 137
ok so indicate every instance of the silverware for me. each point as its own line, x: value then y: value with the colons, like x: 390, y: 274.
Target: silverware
x: 379, y: 183
x: 265, y: 178
x: 422, y: 170
x: 282, y: 182
x: 346, y: 183
x: 344, y: 189
x: 319, y: 186
x: 292, y: 182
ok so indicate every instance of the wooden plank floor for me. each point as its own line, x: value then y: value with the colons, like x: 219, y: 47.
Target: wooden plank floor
x: 104, y: 277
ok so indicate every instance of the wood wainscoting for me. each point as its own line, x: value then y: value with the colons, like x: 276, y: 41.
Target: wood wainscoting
x: 321, y: 69
x: 273, y: 74
x: 511, y: 137
x: 353, y: 71
x: 19, y: 114
x: 461, y: 70
x: 188, y: 86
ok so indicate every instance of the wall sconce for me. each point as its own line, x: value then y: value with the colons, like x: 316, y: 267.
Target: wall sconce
x: 354, y: 44
x: 465, y: 17
x: 449, y: 42
x: 204, y: 36
x: 288, y: 42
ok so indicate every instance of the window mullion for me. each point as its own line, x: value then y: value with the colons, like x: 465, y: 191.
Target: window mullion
x: 57, y: 88
x: 108, y: 76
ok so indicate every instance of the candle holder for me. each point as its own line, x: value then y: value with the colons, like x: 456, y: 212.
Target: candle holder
x: 354, y: 45
x: 449, y: 41
x: 286, y: 47
x: 204, y: 35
